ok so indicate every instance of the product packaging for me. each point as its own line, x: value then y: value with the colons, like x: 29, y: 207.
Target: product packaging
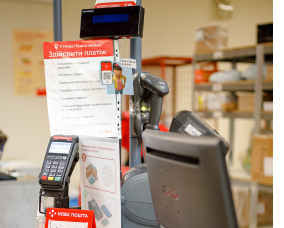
x: 262, y: 159
x: 205, y: 70
x: 211, y: 38
x: 221, y: 102
x: 245, y: 101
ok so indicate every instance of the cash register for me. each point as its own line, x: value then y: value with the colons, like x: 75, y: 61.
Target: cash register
x: 189, y: 181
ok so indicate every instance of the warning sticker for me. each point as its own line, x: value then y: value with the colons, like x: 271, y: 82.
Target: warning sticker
x: 192, y: 131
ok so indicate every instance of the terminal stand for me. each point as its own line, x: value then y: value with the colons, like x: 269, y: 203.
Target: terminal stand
x: 61, y: 196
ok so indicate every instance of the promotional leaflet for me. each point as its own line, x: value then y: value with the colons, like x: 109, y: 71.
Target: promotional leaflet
x: 100, y: 180
x: 27, y: 61
x: 114, y: 3
x: 78, y: 103
x: 117, y: 76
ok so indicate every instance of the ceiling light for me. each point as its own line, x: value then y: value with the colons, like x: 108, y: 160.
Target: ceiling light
x: 226, y: 7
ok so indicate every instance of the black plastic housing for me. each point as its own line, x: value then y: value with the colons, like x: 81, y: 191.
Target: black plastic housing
x: 131, y: 28
x: 183, y: 119
x: 71, y: 160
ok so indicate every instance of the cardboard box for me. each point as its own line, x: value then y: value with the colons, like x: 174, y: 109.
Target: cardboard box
x: 264, y: 206
x: 241, y: 197
x: 211, y: 38
x: 245, y: 101
x: 265, y: 209
x: 262, y: 159
x: 221, y: 102
x: 269, y: 71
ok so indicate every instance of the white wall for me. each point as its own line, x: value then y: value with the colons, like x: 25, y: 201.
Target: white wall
x: 169, y: 30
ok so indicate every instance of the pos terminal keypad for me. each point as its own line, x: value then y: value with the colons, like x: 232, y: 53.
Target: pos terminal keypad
x: 56, y: 165
x: 54, y: 168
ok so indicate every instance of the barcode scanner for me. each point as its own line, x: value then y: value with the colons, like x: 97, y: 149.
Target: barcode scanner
x: 156, y: 89
x: 149, y: 91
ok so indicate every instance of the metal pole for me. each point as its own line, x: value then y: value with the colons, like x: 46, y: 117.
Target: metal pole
x: 57, y: 20
x: 258, y: 88
x: 134, y: 142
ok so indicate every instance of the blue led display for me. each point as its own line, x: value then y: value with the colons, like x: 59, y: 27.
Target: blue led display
x: 111, y: 18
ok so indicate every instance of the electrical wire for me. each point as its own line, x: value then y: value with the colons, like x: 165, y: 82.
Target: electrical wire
x: 143, y: 152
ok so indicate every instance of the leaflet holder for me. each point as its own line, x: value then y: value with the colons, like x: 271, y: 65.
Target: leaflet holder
x: 60, y: 160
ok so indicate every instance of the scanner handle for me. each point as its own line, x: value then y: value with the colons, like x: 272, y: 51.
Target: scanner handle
x: 155, y: 113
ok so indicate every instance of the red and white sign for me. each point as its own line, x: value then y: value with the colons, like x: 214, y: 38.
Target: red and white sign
x: 114, y: 3
x: 78, y: 49
x: 77, y: 102
x: 59, y: 217
x: 100, y: 179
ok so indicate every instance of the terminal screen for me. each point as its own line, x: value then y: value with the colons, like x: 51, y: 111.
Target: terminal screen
x: 111, y: 18
x: 59, y: 147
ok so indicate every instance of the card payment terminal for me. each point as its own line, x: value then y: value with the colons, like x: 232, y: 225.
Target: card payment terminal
x: 59, y: 162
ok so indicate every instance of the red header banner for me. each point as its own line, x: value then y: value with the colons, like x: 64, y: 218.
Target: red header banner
x: 78, y: 49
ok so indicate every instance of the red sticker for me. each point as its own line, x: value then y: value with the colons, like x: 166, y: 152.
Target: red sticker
x: 84, y: 157
x: 114, y: 4
x: 41, y: 91
x: 62, y: 138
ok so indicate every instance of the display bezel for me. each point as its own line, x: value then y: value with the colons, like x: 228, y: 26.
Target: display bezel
x: 132, y: 27
x: 61, y: 152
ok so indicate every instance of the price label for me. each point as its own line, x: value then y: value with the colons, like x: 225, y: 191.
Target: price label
x: 217, y: 87
x: 218, y: 55
x: 217, y: 114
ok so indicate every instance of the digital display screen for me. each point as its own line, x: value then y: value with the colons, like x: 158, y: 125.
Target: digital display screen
x: 111, y: 18
x: 59, y: 147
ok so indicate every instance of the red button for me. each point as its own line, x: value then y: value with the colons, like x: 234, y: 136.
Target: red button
x: 44, y: 177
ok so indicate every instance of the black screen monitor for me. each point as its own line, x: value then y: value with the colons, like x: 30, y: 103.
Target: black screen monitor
x: 189, y: 181
x: 114, y: 22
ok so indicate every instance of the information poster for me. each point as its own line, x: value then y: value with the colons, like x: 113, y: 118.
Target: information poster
x: 28, y: 61
x: 100, y: 180
x: 77, y: 102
